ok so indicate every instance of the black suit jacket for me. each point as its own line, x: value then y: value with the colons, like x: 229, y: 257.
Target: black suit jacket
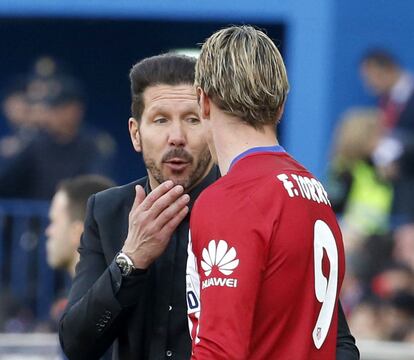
x: 403, y: 206
x: 104, y: 308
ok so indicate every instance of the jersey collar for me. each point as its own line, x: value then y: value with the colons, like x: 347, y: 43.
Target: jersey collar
x: 259, y: 149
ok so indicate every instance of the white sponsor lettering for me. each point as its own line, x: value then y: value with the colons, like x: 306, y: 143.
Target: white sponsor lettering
x: 219, y: 282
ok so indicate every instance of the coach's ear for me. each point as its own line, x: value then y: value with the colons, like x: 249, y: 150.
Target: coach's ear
x: 204, y: 104
x: 134, y: 133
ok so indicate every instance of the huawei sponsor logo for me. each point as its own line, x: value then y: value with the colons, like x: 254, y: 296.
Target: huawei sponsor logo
x: 218, y: 254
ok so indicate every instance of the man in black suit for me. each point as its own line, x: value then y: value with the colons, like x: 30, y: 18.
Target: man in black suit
x: 129, y: 286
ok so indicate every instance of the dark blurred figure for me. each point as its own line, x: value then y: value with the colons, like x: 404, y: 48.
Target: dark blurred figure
x: 23, y: 107
x: 66, y: 215
x: 393, y: 279
x: 398, y: 315
x: 391, y: 83
x: 15, y: 317
x: 394, y: 155
x: 64, y: 146
x: 17, y: 118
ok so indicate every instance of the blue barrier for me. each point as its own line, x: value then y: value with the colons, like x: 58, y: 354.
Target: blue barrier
x: 24, y: 271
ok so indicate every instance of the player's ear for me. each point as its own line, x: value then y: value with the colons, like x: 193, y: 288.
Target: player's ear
x: 280, y: 112
x: 204, y: 104
x: 133, y: 126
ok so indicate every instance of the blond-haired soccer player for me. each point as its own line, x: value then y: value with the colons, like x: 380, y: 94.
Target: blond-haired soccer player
x: 266, y: 258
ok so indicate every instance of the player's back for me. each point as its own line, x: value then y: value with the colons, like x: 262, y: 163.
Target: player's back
x: 303, y: 272
x: 289, y: 256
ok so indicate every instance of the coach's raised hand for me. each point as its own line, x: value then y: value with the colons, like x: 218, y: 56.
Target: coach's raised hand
x: 152, y: 220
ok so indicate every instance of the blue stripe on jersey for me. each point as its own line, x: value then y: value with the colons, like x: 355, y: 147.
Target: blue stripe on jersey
x: 274, y: 149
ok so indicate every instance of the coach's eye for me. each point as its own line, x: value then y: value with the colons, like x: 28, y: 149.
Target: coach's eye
x: 160, y: 120
x: 193, y: 120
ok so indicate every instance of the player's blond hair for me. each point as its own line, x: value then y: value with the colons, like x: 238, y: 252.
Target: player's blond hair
x: 242, y: 72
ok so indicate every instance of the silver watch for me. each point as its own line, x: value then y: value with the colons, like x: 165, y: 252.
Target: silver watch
x: 125, y: 264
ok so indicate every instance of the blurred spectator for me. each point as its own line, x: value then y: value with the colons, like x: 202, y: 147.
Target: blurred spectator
x: 393, y: 85
x: 391, y: 319
x: 366, y: 321
x: 67, y: 212
x: 362, y: 200
x: 404, y: 245
x: 398, y: 315
x: 357, y: 193
x: 63, y: 148
x: 394, y: 155
x: 23, y: 107
x: 17, y: 116
x: 15, y: 317
x: 392, y: 280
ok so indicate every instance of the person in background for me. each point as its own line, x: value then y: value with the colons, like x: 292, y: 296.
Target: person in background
x: 23, y: 105
x: 63, y: 148
x: 394, y: 155
x: 17, y: 114
x: 393, y: 85
x: 66, y: 215
x: 359, y: 195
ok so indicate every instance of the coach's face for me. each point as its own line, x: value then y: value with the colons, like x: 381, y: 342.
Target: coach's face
x: 170, y: 136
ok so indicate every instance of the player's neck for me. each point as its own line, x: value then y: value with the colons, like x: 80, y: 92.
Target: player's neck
x: 232, y: 137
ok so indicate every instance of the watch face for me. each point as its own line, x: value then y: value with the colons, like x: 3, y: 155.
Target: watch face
x: 123, y: 265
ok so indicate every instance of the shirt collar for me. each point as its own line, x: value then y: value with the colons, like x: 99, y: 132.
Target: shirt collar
x: 258, y: 149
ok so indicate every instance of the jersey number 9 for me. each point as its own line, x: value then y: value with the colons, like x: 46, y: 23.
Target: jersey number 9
x: 325, y: 288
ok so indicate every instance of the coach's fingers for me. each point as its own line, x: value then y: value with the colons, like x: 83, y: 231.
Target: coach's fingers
x: 139, y: 196
x: 155, y: 194
x: 172, y: 224
x: 165, y: 201
x: 171, y: 211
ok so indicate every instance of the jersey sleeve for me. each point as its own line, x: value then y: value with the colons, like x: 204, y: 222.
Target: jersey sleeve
x: 228, y: 254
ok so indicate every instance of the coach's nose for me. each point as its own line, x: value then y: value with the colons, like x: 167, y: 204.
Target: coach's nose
x: 177, y: 136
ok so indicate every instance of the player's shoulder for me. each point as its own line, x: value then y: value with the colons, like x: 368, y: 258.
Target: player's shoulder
x: 278, y: 179
x: 211, y: 192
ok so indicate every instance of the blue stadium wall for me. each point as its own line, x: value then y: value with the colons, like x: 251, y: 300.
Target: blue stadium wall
x: 322, y: 43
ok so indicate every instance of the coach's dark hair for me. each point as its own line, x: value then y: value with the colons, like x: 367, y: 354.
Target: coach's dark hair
x: 78, y: 191
x: 381, y: 58
x: 168, y: 69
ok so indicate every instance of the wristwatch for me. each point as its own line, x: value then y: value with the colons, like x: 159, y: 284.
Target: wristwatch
x: 125, y: 264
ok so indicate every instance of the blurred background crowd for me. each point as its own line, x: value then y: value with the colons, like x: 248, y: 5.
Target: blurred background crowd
x: 371, y: 183
x: 47, y: 144
x: 64, y: 97
x: 47, y: 138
